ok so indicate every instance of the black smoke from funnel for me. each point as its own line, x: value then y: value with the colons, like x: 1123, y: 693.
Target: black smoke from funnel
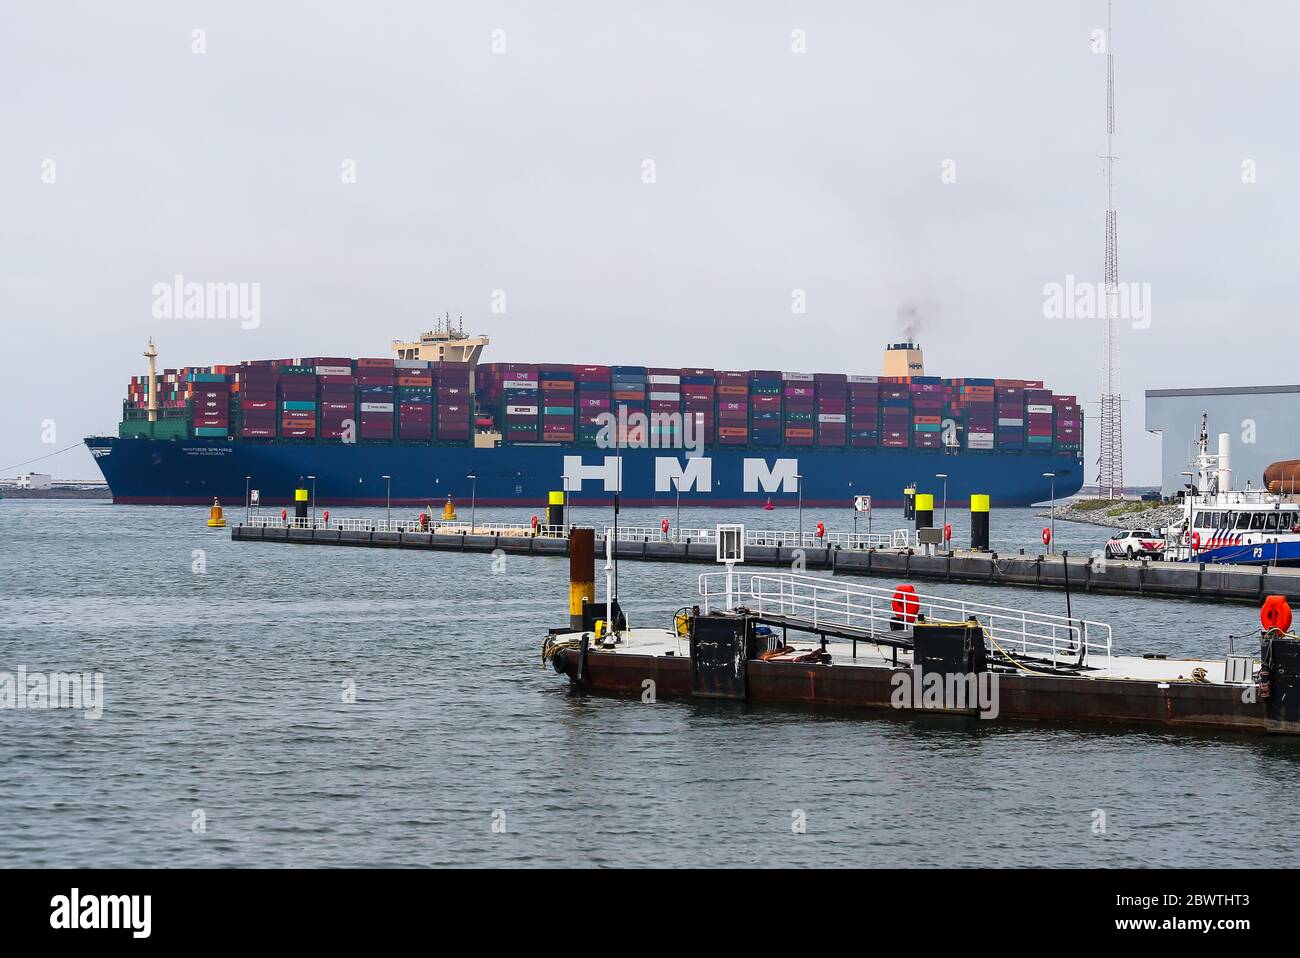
x: 913, y: 319
x: 909, y: 323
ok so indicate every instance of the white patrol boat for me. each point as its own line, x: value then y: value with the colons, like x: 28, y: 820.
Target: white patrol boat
x: 1223, y: 525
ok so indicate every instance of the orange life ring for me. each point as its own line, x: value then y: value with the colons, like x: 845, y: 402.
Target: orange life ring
x: 906, y: 604
x: 1196, y: 542
x: 821, y: 530
x: 1047, y: 536
x: 947, y: 532
x: 1275, y: 614
x: 664, y: 526
x: 534, y: 522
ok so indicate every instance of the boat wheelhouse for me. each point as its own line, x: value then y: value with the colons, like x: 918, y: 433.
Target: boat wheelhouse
x: 1223, y: 525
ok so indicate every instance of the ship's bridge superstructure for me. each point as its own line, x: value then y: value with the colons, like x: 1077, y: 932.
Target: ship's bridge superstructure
x: 444, y: 344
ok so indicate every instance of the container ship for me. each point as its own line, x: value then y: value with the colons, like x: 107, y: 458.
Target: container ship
x: 435, y: 421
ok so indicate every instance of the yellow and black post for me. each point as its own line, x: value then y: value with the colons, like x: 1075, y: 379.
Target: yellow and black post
x: 979, y: 523
x: 582, y: 574
x: 924, y: 510
x: 555, y: 509
x: 909, y: 503
x: 300, y: 501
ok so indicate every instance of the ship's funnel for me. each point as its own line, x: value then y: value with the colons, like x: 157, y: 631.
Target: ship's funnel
x: 904, y: 359
x: 1225, y: 463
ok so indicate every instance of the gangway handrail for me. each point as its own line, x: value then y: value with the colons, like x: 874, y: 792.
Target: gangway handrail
x: 825, y: 601
x: 897, y: 539
x: 436, y: 527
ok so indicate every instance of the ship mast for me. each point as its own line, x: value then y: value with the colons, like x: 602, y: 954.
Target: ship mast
x: 151, y: 354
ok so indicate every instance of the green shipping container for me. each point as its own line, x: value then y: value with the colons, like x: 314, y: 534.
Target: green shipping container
x: 298, y: 404
x: 161, y: 429
x: 210, y: 431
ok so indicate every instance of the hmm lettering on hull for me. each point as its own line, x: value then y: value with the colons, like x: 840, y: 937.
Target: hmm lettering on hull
x: 695, y: 474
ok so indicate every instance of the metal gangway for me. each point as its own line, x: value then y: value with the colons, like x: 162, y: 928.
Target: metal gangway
x: 811, y: 603
x: 441, y: 527
x: 897, y: 539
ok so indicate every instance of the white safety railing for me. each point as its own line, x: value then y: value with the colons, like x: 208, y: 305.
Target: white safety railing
x: 831, y: 602
x: 657, y: 534
x: 437, y: 527
x: 898, y: 539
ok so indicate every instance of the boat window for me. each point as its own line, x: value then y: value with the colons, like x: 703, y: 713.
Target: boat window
x: 1257, y: 521
x: 1223, y: 520
x: 1243, y: 520
x: 1200, y: 520
x: 1273, y: 518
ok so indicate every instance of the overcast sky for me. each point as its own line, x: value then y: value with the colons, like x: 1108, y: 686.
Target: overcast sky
x: 524, y: 171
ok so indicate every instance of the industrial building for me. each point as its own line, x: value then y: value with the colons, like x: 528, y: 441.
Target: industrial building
x: 1263, y: 423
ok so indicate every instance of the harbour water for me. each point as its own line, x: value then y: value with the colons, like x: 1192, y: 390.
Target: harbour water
x: 228, y: 737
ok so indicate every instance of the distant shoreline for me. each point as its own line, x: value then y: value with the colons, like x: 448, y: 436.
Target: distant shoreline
x: 56, y: 494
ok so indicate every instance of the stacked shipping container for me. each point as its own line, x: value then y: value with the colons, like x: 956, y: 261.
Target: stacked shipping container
x: 333, y: 399
x: 592, y: 401
x: 732, y: 391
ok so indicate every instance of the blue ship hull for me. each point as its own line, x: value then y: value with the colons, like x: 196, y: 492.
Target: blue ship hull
x: 1262, y: 554
x: 193, y: 471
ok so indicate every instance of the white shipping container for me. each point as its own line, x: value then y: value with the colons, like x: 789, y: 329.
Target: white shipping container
x: 980, y: 436
x: 519, y: 384
x: 864, y: 379
x: 411, y: 363
x: 830, y: 417
x: 333, y: 370
x: 797, y: 377
x: 666, y: 397
x: 376, y: 407
x: 1039, y: 409
x: 973, y: 443
x: 1011, y: 422
x: 521, y: 410
x: 665, y: 380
